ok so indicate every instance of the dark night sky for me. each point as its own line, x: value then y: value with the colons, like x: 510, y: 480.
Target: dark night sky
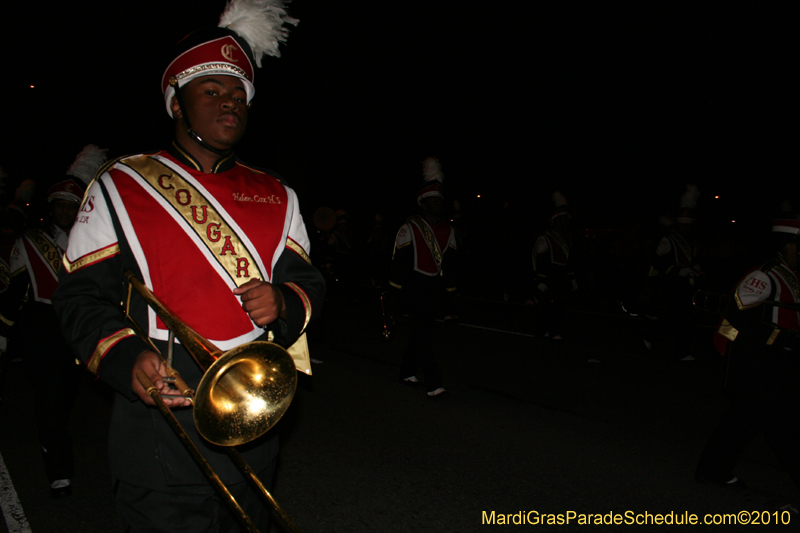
x: 619, y: 104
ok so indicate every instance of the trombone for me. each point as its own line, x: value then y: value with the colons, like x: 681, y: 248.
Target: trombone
x: 242, y: 394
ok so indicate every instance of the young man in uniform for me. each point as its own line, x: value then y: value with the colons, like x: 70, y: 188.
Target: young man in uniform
x: 423, y: 263
x: 223, y: 245
x: 26, y: 312
x: 553, y: 271
x: 759, y: 336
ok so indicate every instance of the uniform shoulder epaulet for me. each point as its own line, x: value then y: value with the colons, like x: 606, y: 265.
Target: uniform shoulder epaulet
x: 768, y: 265
x: 103, y: 168
x: 108, y: 164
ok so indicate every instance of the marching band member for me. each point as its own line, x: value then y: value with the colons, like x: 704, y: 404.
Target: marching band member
x: 759, y: 336
x: 424, y: 262
x: 27, y: 307
x: 222, y: 244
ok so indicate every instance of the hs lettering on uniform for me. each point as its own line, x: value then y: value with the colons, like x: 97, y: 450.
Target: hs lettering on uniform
x: 758, y: 284
x: 183, y: 197
x: 87, y: 207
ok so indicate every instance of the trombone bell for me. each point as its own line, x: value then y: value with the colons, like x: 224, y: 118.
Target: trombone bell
x: 244, y: 393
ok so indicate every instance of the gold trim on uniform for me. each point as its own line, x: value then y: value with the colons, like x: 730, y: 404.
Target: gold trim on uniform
x: 89, y: 259
x: 45, y: 246
x: 306, y: 302
x: 103, y: 346
x: 451, y: 289
x: 157, y: 175
x: 218, y: 164
x: 430, y: 239
x: 741, y: 306
x: 6, y: 321
x: 19, y: 271
x: 212, y: 66
x: 300, y: 354
x: 791, y: 280
x: 187, y: 156
x: 292, y: 245
x: 5, y: 273
x: 727, y: 330
x: 772, y: 337
x: 395, y: 285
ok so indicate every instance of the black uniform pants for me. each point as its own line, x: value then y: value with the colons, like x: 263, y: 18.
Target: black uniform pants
x: 190, y: 509
x: 55, y: 378
x: 764, y: 399
x: 421, y: 298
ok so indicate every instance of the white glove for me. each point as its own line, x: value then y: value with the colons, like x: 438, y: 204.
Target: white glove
x: 542, y: 287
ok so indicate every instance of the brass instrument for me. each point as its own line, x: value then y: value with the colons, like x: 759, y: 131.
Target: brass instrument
x: 242, y: 394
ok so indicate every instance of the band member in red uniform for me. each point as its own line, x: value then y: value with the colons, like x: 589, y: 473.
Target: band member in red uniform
x: 221, y: 243
x: 759, y: 337
x: 673, y: 279
x: 11, y: 227
x: 27, y: 313
x: 424, y: 262
x: 554, y: 275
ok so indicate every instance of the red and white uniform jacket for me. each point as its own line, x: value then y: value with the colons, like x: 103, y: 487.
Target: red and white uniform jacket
x: 551, y: 257
x: 426, y: 249
x: 675, y: 255
x: 32, y: 271
x: 192, y: 238
x: 749, y: 316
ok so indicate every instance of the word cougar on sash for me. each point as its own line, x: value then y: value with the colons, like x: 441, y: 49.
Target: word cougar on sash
x: 202, y: 217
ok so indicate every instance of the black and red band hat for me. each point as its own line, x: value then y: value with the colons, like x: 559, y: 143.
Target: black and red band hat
x: 434, y: 189
x: 205, y: 52
x: 70, y: 189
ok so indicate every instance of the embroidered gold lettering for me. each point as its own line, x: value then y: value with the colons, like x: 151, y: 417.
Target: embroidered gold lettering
x: 227, y: 52
x: 212, y: 232
x: 194, y: 214
x: 228, y: 246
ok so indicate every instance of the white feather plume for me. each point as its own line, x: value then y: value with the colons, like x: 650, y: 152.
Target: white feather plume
x: 559, y: 199
x: 260, y: 23
x: 87, y: 163
x: 690, y: 197
x: 432, y: 170
x: 25, y: 191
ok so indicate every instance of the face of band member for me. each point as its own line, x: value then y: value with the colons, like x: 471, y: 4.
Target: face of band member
x: 217, y: 108
x: 63, y: 213
x: 433, y: 205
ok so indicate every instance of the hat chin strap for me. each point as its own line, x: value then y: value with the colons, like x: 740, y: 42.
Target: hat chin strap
x: 193, y: 134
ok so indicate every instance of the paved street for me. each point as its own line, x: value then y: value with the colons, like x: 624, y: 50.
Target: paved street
x: 593, y: 426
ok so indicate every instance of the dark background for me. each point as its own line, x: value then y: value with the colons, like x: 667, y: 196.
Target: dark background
x: 619, y: 104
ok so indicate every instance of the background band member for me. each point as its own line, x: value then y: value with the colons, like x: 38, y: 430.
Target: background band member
x: 424, y: 262
x: 554, y: 275
x: 26, y: 305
